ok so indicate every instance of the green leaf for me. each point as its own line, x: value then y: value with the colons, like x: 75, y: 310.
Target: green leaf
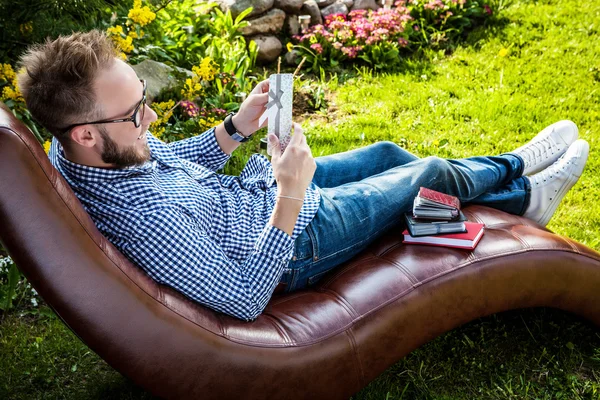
x: 13, y: 278
x: 241, y: 16
x: 570, y: 346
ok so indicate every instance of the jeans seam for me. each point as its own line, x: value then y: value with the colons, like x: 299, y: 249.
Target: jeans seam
x: 527, y: 195
x: 313, y: 241
x: 293, y: 279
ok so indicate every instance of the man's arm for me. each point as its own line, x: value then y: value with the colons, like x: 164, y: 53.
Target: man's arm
x: 245, y: 121
x: 174, y: 251
x: 226, y: 143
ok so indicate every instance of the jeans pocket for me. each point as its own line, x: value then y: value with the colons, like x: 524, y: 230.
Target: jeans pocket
x: 303, y: 246
x: 317, y: 277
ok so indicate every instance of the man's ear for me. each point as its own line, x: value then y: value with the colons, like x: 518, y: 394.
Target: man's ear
x: 84, y: 135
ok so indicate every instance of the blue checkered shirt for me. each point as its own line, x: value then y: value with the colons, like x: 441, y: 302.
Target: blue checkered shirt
x: 204, y: 234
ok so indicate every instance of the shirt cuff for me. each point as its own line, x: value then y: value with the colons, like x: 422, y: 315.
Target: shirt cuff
x: 212, y: 153
x: 275, y: 242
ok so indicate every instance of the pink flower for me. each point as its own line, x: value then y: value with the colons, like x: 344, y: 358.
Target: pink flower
x: 416, y: 28
x: 337, y: 45
x: 190, y: 108
x: 317, y: 47
x: 434, y: 5
x: 352, y: 51
x: 357, y: 14
x: 487, y: 9
x: 334, y: 17
x: 402, y: 42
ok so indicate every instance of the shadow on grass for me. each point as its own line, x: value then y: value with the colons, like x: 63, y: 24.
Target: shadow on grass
x: 527, y: 353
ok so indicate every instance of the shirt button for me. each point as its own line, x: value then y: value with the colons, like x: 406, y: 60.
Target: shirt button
x: 315, y: 258
x: 294, y: 258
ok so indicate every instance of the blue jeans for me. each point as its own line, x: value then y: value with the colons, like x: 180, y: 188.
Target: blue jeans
x: 365, y: 192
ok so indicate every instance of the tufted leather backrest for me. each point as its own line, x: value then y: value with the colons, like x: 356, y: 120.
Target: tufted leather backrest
x: 325, y: 342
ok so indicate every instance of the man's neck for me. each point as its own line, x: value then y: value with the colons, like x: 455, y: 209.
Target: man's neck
x: 92, y: 160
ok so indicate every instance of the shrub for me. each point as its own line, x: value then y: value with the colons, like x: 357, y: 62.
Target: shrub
x: 377, y: 38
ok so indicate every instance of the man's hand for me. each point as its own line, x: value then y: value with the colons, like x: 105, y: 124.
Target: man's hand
x: 295, y: 168
x: 246, y: 120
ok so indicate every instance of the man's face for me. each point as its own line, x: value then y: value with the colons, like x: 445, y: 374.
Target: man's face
x: 118, y: 93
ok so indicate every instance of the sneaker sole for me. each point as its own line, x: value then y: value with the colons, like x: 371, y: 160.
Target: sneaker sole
x: 571, y: 181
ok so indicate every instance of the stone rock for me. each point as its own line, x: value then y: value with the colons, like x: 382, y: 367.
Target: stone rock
x: 290, y: 6
x: 311, y: 8
x: 269, y: 48
x: 325, y: 3
x: 365, y: 5
x: 335, y: 8
x: 237, y: 6
x: 348, y: 3
x: 271, y: 22
x: 292, y: 25
x: 292, y: 58
x: 158, y: 77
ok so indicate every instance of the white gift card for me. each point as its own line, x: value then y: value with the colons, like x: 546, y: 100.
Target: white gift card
x: 279, y: 108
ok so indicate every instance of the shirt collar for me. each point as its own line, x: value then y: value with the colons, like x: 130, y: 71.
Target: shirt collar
x: 95, y: 174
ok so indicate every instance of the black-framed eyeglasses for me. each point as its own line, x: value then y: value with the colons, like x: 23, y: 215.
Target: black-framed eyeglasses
x: 137, y: 116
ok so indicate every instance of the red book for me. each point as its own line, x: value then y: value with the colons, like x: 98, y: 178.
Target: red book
x: 439, y: 197
x: 466, y: 240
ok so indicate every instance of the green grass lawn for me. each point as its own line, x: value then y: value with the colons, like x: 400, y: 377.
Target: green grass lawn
x: 471, y: 102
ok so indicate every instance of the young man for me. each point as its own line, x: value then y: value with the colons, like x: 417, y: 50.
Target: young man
x: 227, y: 241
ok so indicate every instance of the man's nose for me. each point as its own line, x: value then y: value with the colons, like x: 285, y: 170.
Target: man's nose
x: 150, y: 115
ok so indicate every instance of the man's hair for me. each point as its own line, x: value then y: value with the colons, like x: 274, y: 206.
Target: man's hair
x: 57, y: 78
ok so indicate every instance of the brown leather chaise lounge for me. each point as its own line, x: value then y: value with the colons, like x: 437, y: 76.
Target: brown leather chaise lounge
x: 327, y: 342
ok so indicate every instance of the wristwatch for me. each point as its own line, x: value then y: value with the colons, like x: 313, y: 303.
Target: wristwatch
x: 232, y: 131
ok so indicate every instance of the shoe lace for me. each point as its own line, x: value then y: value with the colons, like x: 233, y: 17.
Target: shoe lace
x: 551, y: 171
x: 539, y: 149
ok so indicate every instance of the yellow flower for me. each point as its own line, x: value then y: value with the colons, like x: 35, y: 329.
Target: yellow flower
x: 133, y: 34
x: 123, y: 43
x: 141, y: 15
x: 207, y: 69
x: 191, y: 89
x: 122, y: 56
x: 8, y: 93
x: 435, y: 143
x: 127, y: 44
x: 7, y: 72
x: 164, y: 111
x: 26, y: 28
x: 503, y: 52
x: 289, y: 46
x: 159, y: 132
x: 47, y: 146
x: 115, y: 30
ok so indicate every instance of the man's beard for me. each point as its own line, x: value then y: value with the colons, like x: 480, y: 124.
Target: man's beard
x: 124, y: 158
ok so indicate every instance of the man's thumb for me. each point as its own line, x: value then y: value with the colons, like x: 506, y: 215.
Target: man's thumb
x: 274, y: 146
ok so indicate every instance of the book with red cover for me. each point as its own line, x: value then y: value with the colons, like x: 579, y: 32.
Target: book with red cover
x: 433, y: 205
x: 468, y: 240
x: 439, y: 197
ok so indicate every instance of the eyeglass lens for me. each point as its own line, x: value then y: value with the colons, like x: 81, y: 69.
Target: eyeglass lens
x: 139, y: 115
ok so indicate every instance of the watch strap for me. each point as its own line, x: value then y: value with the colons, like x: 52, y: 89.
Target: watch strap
x: 232, y: 131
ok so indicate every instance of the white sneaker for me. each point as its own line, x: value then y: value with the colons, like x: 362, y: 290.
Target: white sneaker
x: 547, y: 146
x: 550, y: 186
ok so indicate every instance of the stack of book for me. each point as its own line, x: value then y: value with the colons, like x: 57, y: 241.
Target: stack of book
x: 437, y: 220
